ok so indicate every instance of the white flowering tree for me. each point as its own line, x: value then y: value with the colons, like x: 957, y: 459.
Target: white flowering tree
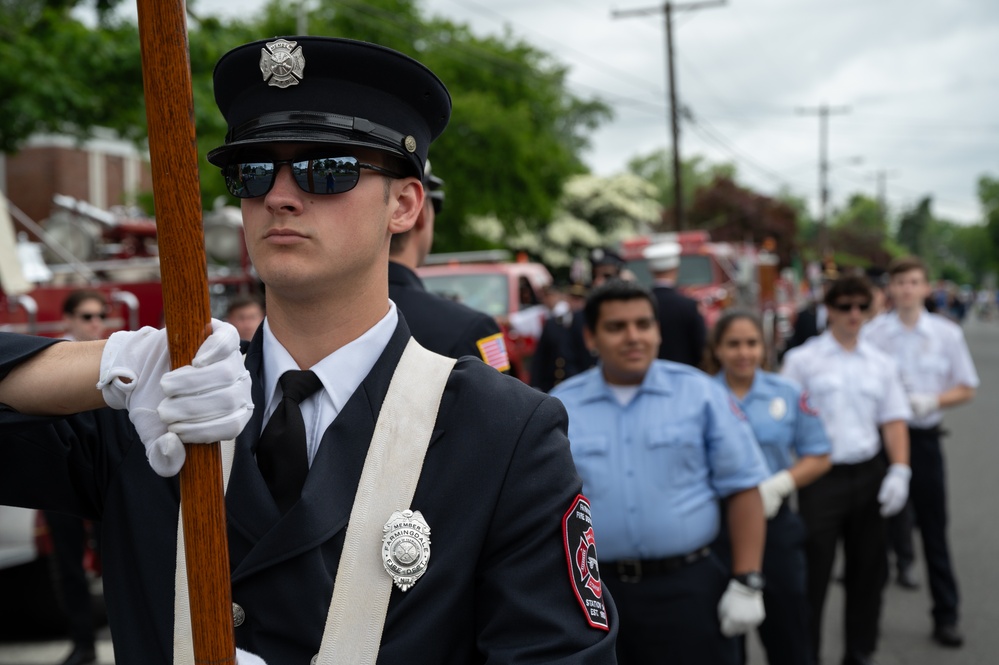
x: 594, y: 211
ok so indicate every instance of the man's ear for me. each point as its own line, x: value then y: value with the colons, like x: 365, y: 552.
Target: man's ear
x: 589, y: 340
x: 407, y: 203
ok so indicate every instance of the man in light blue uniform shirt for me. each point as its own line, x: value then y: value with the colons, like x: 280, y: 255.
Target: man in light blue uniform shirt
x: 658, y: 445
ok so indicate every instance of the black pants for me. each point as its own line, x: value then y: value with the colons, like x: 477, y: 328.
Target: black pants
x: 900, y: 536
x: 785, y: 631
x: 68, y: 537
x: 672, y: 619
x: 928, y: 494
x: 843, y: 504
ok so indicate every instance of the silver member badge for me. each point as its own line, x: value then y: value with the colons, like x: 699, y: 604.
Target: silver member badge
x: 406, y: 547
x: 282, y: 63
x: 778, y: 408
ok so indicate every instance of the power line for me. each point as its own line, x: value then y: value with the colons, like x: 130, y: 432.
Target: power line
x: 667, y: 10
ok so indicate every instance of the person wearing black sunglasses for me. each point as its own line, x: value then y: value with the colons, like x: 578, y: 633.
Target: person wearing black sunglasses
x: 439, y: 324
x: 857, y: 390
x: 83, y: 314
x: 326, y: 146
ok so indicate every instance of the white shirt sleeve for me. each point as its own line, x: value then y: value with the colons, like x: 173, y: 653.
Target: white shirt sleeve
x: 895, y: 404
x: 962, y: 367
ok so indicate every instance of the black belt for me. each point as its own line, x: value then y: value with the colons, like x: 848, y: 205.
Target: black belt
x: 633, y: 570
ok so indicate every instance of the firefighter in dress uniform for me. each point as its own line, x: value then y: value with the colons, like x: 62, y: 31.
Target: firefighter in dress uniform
x: 441, y: 325
x: 496, y: 487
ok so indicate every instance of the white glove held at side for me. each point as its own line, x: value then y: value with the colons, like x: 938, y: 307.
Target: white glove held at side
x: 740, y: 609
x: 894, y: 490
x: 206, y: 401
x: 773, y: 491
x: 923, y: 404
x: 247, y: 658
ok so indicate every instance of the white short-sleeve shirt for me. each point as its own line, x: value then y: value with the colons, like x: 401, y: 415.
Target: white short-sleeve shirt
x: 854, y: 391
x: 932, y: 356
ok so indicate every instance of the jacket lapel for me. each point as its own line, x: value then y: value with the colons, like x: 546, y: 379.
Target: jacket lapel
x: 329, y: 489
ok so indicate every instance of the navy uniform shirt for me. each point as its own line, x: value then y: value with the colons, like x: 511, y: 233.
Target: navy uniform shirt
x: 654, y: 469
x: 444, y: 326
x: 496, y: 487
x: 784, y: 422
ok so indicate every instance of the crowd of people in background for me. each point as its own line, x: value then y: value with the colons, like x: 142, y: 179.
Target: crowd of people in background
x: 850, y: 425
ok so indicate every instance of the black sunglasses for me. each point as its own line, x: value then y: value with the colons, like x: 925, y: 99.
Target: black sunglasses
x: 320, y: 175
x: 847, y: 306
x: 90, y: 316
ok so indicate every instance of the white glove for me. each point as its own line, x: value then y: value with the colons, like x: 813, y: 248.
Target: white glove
x: 773, y: 490
x: 923, y: 404
x: 740, y: 609
x: 206, y: 401
x: 247, y: 658
x: 894, y: 490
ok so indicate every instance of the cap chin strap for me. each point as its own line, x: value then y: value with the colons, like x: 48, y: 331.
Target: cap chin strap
x: 388, y: 482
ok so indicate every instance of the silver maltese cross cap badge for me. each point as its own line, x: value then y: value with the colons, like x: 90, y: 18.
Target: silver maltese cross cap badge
x: 282, y: 63
x: 406, y: 547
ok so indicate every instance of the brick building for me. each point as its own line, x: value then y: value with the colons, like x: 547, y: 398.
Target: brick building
x: 104, y: 171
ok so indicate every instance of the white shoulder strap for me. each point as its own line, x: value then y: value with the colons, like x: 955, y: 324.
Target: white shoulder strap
x: 388, y: 481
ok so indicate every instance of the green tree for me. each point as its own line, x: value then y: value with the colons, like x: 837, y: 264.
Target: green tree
x: 913, y: 227
x: 696, y: 172
x: 63, y: 77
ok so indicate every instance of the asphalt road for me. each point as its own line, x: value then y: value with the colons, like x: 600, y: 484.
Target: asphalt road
x: 972, y: 453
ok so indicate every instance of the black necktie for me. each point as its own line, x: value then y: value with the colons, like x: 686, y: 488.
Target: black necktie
x: 282, y: 453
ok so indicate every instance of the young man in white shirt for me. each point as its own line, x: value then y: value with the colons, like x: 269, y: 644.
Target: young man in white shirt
x: 857, y: 390
x: 938, y: 373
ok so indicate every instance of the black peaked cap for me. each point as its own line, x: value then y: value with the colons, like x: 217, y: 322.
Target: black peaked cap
x: 328, y: 90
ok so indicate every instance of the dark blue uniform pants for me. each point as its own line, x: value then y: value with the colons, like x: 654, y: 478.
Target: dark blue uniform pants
x: 928, y: 494
x: 785, y: 632
x: 68, y: 534
x: 672, y: 619
x: 843, y: 504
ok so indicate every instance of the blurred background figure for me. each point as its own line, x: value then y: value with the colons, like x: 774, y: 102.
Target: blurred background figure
x: 561, y: 352
x: 938, y: 373
x: 796, y: 449
x: 680, y: 323
x: 605, y: 264
x: 245, y: 313
x: 858, y: 392
x: 84, y: 313
x: 441, y: 325
x: 662, y: 452
x: 813, y: 318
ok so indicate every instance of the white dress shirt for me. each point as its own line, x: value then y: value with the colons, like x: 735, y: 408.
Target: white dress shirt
x: 341, y: 373
x: 932, y: 355
x: 854, y: 392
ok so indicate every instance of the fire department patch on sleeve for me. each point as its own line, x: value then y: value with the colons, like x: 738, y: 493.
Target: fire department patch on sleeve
x: 806, y: 406
x: 581, y: 555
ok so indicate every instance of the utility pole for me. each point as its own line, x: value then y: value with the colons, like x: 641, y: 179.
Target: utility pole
x: 882, y: 177
x: 667, y: 9
x: 823, y: 111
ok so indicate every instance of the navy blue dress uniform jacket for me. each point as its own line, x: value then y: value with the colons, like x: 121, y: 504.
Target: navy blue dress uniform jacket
x: 497, y: 479
x: 438, y: 324
x: 682, y: 327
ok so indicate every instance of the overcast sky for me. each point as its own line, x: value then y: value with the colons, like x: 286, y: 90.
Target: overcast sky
x: 917, y: 78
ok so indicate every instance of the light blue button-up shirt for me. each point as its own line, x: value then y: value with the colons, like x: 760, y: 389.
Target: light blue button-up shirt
x: 655, y: 468
x: 784, y: 422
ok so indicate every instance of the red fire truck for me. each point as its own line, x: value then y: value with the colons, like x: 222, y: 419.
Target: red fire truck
x: 721, y: 274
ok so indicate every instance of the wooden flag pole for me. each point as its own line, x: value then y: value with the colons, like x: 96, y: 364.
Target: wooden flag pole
x: 166, y: 75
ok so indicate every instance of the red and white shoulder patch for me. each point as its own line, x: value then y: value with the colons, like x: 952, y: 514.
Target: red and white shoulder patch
x: 806, y: 405
x: 581, y: 555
